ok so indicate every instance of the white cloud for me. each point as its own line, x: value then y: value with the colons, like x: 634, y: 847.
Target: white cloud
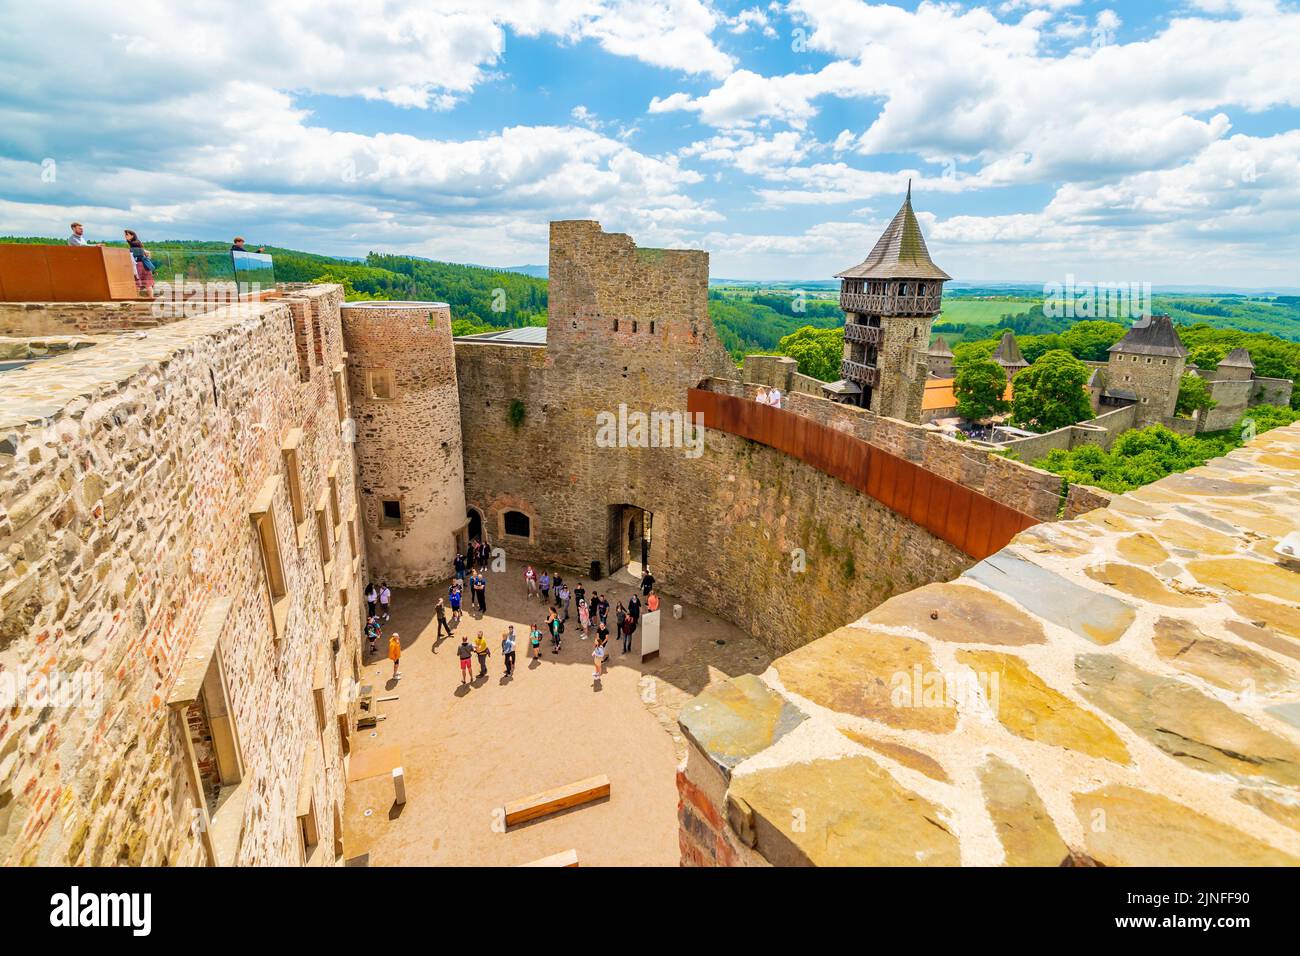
x: 964, y: 84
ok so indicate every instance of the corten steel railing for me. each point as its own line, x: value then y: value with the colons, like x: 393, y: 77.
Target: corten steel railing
x: 968, y: 520
x: 874, y: 303
x: 860, y: 373
x: 866, y: 334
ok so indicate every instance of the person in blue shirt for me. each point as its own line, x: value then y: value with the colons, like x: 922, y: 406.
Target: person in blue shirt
x: 454, y: 597
x: 508, y: 649
x: 480, y: 590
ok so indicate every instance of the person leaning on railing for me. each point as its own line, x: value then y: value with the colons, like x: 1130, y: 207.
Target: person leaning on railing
x: 144, y: 265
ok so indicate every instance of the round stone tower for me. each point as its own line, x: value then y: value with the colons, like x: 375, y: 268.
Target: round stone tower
x: 401, y: 372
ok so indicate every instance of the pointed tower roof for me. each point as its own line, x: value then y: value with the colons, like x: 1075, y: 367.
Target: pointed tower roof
x: 1238, y: 358
x: 940, y: 347
x: 1153, y: 335
x: 1008, y: 352
x: 899, y: 253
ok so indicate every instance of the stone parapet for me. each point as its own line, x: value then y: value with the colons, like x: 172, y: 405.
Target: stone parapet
x: 161, y: 705
x: 1116, y: 689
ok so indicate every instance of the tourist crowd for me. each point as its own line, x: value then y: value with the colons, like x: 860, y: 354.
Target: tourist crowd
x: 560, y: 602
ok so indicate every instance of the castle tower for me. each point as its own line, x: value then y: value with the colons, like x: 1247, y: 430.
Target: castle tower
x: 1236, y: 366
x: 889, y: 301
x: 1007, y: 354
x: 1145, y: 368
x: 402, y: 375
x: 939, y: 359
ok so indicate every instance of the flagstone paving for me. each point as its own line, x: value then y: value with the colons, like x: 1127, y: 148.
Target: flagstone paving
x: 467, y: 750
x: 1119, y: 689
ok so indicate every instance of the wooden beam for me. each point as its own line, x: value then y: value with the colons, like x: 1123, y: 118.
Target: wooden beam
x: 561, y: 798
x: 566, y: 858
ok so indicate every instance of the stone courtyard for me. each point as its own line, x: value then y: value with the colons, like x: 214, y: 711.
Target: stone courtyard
x: 467, y: 750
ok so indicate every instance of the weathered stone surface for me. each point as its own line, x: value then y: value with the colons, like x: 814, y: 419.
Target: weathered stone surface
x: 851, y: 813
x: 1141, y: 585
x: 735, y: 719
x: 1221, y: 663
x: 124, y: 521
x: 1192, y: 728
x: 1028, y: 835
x: 1248, y: 576
x: 950, y: 612
x: 1289, y: 712
x: 1029, y: 708
x: 1141, y: 548
x: 922, y: 763
x: 1265, y: 637
x: 1285, y: 809
x: 1179, y: 534
x: 1095, y: 617
x: 1185, y: 484
x: 1124, y: 826
x: 867, y: 673
x: 1108, y: 519
x: 1282, y: 618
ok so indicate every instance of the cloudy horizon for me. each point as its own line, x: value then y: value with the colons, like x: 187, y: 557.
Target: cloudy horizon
x: 1113, y: 141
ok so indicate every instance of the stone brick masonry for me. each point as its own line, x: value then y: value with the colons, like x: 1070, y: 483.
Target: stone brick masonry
x: 129, y: 471
x: 771, y: 544
x: 408, y: 439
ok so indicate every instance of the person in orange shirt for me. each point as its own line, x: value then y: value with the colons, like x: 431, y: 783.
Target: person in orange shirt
x: 652, y: 601
x: 395, y: 653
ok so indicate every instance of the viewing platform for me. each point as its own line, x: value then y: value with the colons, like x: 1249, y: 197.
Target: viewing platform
x: 864, y: 334
x: 860, y: 373
x: 884, y: 304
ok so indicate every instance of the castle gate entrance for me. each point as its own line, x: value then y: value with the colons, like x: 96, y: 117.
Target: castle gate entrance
x: 629, y: 537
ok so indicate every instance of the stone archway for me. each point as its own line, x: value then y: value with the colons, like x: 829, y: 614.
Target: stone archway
x: 476, y: 525
x: 630, y: 530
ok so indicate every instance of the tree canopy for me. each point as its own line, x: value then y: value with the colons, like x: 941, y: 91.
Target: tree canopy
x: 1143, y: 455
x: 818, y: 351
x: 1051, y: 393
x: 1193, y: 395
x: 979, y: 388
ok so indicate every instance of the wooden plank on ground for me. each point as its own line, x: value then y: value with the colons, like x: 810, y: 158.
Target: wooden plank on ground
x: 561, y: 798
x: 567, y: 858
x: 372, y: 763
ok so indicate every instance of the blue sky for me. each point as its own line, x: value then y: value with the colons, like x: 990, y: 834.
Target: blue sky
x: 1112, y: 141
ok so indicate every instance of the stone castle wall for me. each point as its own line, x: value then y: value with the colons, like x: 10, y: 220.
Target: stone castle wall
x: 23, y: 319
x: 129, y: 556
x: 1232, y: 398
x: 782, y: 372
x: 1116, y: 689
x: 402, y: 376
x: 1102, y: 430
x: 729, y: 526
x: 1272, y: 391
x: 1153, y: 378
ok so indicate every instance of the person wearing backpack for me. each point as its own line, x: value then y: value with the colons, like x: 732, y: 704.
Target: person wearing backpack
x: 465, y: 653
x: 554, y: 626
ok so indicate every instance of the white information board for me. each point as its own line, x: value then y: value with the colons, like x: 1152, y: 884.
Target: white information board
x: 650, y: 635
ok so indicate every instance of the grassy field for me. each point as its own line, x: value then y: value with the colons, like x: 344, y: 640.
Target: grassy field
x: 981, y: 311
